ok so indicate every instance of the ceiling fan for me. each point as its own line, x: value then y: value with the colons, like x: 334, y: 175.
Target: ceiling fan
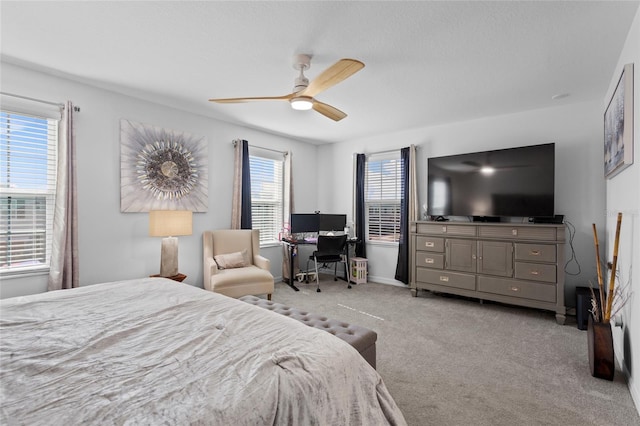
x: 304, y: 92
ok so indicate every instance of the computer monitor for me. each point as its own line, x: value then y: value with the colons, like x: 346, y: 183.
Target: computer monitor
x: 333, y: 222
x: 304, y: 222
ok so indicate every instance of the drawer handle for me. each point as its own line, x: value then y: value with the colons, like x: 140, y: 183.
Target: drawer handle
x: 534, y: 252
x: 428, y: 260
x: 515, y: 289
x: 429, y: 244
x: 534, y: 272
x: 444, y: 278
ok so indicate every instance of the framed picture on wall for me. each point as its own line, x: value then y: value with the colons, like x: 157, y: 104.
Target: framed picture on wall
x: 162, y: 169
x: 618, y: 126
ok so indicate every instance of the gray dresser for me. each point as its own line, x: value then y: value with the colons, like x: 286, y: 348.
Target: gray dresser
x: 519, y: 264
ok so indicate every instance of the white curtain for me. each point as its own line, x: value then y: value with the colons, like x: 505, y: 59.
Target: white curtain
x: 413, y: 186
x: 64, y: 271
x: 236, y: 202
x: 288, y: 186
x: 287, y: 210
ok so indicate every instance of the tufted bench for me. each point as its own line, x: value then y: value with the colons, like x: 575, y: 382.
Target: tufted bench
x: 362, y: 339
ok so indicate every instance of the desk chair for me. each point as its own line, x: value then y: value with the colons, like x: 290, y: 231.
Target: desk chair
x: 329, y: 250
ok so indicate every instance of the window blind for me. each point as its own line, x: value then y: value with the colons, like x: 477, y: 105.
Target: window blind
x: 28, y: 160
x: 267, y: 188
x: 383, y: 194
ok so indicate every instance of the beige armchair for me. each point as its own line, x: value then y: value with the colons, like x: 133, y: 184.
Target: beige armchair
x: 239, y: 269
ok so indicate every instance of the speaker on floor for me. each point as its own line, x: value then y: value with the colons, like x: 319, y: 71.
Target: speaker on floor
x: 583, y: 305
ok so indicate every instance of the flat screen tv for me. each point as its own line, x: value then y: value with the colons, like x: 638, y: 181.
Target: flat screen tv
x: 513, y: 182
x: 304, y: 222
x: 333, y: 222
x: 316, y: 222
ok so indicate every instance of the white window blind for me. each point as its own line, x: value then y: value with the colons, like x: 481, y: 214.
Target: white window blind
x: 383, y: 193
x: 28, y: 160
x: 267, y: 189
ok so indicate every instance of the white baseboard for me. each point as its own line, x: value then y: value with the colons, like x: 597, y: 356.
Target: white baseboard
x: 377, y: 280
x: 633, y: 388
x: 388, y: 281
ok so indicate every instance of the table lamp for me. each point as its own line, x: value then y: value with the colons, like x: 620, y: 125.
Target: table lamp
x: 169, y: 224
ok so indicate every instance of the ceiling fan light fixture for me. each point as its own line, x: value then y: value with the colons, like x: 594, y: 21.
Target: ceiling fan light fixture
x: 301, y: 103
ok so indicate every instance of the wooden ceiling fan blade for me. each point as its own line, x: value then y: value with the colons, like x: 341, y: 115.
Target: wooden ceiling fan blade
x: 259, y: 98
x: 333, y: 75
x: 328, y: 111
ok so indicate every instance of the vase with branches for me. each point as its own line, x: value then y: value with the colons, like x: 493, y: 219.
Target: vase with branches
x: 605, y: 304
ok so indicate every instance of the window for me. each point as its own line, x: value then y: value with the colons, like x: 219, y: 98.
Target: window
x: 383, y: 193
x: 267, y: 189
x: 28, y: 147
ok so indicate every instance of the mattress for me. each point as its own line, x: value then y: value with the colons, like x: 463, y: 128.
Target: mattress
x: 154, y: 351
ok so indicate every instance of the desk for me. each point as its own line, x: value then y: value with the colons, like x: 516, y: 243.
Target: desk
x: 292, y: 246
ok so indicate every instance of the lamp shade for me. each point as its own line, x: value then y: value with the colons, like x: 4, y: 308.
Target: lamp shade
x: 170, y: 223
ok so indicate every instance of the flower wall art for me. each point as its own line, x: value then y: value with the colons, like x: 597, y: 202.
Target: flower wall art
x: 162, y: 169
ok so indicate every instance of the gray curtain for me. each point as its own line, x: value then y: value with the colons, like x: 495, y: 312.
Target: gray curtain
x: 64, y: 271
x: 361, y: 246
x: 408, y: 210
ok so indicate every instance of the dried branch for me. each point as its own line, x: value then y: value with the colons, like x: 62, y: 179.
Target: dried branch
x: 595, y: 310
x: 598, y: 266
x: 612, y: 281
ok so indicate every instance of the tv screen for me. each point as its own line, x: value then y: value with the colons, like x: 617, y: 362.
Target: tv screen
x: 333, y: 222
x: 305, y: 222
x: 516, y: 182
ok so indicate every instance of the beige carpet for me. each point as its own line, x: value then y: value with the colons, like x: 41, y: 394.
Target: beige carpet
x: 453, y: 361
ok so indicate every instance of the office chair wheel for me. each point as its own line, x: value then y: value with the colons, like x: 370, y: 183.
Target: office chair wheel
x: 318, y: 290
x: 349, y: 286
x: 335, y: 278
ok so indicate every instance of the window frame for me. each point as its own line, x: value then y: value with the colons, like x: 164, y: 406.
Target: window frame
x: 28, y: 199
x: 385, y: 188
x: 277, y: 159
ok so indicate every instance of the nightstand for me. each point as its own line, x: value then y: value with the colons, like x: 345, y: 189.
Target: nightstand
x: 179, y: 277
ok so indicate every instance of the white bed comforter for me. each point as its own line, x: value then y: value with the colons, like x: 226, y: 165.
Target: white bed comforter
x: 153, y: 351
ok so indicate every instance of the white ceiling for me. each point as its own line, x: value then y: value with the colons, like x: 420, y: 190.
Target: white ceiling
x: 427, y: 63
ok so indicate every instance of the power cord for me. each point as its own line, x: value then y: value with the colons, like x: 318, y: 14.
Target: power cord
x: 572, y: 232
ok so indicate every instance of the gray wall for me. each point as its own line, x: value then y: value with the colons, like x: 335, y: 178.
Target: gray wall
x: 623, y: 195
x: 576, y: 129
x: 114, y: 245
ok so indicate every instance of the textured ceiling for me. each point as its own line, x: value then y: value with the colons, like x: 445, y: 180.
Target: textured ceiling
x: 427, y: 63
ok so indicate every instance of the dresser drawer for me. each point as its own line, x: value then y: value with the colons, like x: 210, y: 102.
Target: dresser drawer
x: 429, y: 243
x: 444, y: 228
x: 449, y: 279
x: 520, y: 289
x: 518, y: 232
x: 535, y: 252
x: 429, y: 260
x: 535, y: 272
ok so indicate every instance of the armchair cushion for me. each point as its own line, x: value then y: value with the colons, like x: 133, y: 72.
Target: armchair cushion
x: 238, y: 259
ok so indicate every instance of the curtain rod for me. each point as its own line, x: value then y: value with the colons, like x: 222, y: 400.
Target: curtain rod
x: 385, y: 152
x: 235, y: 142
x: 58, y: 104
x: 382, y: 152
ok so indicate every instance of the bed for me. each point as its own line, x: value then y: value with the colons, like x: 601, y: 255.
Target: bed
x: 154, y: 351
